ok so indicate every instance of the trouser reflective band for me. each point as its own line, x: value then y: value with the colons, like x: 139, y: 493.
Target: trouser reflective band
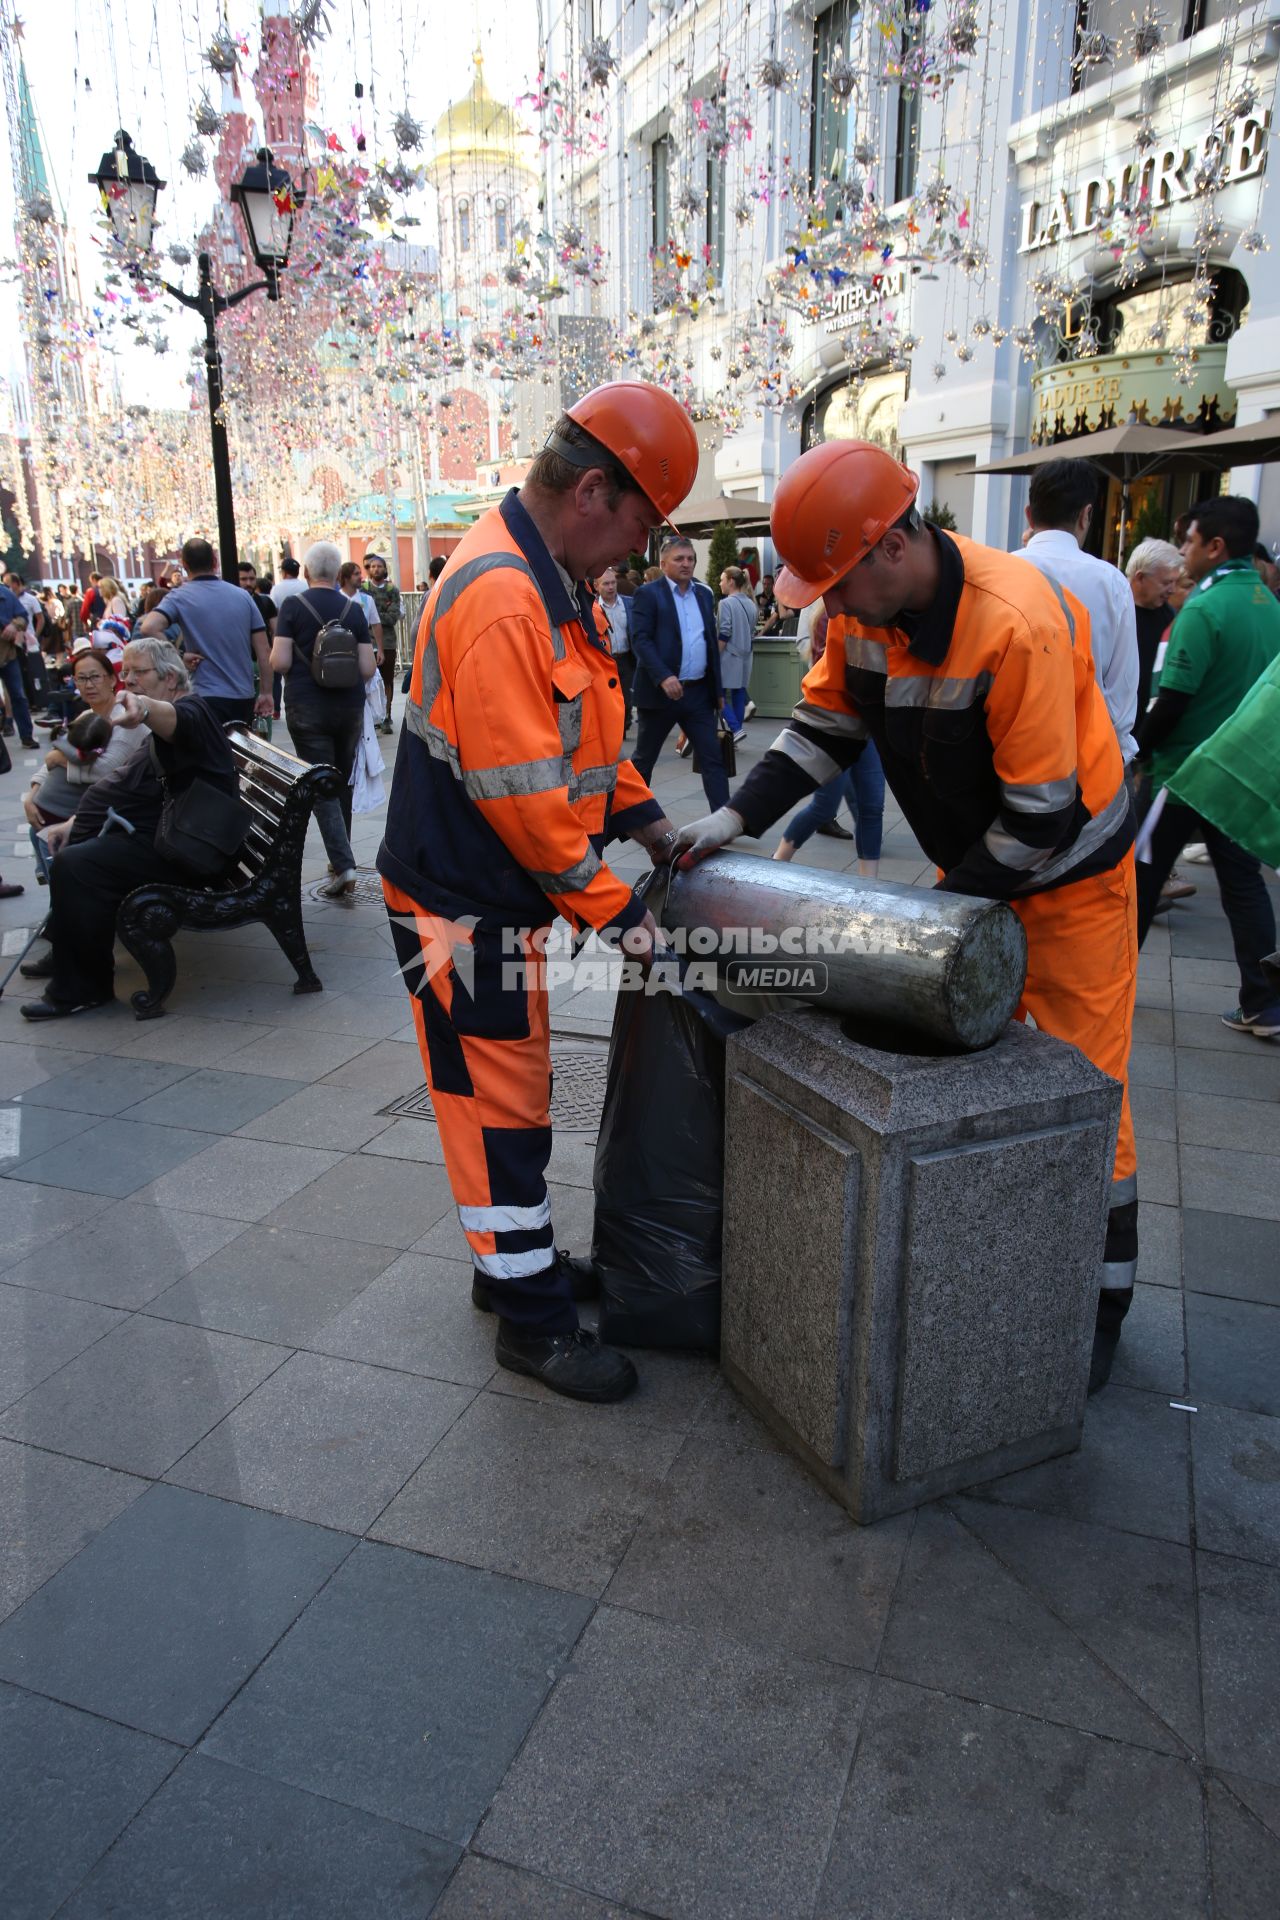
x: 487, y: 1056
x: 1120, y: 1254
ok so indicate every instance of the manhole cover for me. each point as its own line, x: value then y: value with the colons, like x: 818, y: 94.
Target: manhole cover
x: 366, y: 892
x: 577, y: 1092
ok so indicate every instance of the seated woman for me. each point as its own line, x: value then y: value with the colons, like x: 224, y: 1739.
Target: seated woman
x: 109, y: 849
x: 67, y: 775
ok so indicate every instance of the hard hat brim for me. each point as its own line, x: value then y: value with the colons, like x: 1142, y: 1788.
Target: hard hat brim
x: 798, y: 594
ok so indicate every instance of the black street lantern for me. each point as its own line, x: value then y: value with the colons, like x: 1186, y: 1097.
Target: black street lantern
x: 268, y: 201
x: 128, y: 185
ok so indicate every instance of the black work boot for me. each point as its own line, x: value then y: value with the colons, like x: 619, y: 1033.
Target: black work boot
x: 1115, y: 1294
x: 583, y: 1279
x: 574, y: 1364
x: 1113, y: 1304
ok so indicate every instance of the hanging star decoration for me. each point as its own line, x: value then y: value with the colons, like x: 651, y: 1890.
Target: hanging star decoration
x: 406, y: 132
x: 775, y: 75
x: 598, y: 61
x: 207, y: 119
x: 1094, y: 50
x: 1241, y: 102
x: 1148, y: 32
x: 963, y: 33
x: 38, y: 207
x: 311, y: 22
x: 222, y: 53
x: 194, y: 159
x: 842, y: 78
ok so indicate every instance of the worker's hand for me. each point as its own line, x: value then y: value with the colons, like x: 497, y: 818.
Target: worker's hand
x: 127, y: 712
x: 193, y: 661
x: 263, y: 706
x: 673, y: 688
x: 657, y: 839
x: 55, y: 835
x: 641, y: 942
x: 706, y: 836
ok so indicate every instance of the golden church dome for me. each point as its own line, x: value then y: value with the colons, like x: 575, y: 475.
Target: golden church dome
x: 476, y: 126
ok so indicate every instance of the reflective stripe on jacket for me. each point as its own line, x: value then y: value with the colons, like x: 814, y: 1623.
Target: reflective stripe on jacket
x: 994, y: 734
x: 507, y: 784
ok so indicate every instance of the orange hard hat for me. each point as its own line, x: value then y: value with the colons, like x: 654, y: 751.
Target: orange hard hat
x: 831, y: 508
x: 648, y: 433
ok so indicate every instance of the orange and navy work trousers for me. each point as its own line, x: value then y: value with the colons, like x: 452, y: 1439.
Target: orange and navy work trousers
x: 483, y: 1032
x: 1082, y: 977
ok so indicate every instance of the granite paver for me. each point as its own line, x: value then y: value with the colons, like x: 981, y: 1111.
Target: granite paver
x: 420, y: 1638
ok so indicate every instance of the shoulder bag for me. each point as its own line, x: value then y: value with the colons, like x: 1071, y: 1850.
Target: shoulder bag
x: 202, y: 828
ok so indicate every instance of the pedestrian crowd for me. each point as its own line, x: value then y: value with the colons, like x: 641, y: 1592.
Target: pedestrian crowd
x: 1058, y: 733
x: 134, y: 711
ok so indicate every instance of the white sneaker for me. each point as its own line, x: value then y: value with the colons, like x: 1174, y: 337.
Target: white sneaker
x: 1197, y: 853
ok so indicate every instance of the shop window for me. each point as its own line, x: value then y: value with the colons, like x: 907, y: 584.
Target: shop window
x: 829, y: 121
x: 1124, y: 322
x: 906, y: 121
x: 1117, y: 18
x: 660, y: 191
x: 715, y: 215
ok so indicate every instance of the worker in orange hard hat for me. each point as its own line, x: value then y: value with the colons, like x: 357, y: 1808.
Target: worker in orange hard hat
x: 976, y: 683
x: 507, y: 787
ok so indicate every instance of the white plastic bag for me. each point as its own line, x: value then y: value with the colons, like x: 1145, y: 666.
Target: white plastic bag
x: 367, y: 790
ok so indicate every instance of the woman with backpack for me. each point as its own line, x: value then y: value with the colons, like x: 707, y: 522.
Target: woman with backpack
x: 324, y: 650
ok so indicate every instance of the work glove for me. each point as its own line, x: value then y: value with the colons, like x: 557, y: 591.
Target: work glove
x: 703, y: 837
x: 639, y: 942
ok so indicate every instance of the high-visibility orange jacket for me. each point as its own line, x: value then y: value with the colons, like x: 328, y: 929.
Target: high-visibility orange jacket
x: 508, y: 784
x: 994, y: 734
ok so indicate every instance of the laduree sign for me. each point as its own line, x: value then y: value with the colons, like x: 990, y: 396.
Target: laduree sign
x: 1165, y: 177
x: 1082, y: 396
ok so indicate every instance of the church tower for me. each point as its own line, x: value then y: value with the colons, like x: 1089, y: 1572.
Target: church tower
x: 286, y: 88
x: 485, y: 188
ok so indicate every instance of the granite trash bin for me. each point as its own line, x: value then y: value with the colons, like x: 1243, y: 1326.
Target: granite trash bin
x: 911, y: 1252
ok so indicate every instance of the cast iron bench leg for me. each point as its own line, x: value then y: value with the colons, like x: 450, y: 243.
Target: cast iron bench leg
x: 147, y: 936
x: 285, y: 921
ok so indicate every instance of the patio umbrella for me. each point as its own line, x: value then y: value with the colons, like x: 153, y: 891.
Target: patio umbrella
x: 1258, y: 444
x: 1127, y: 453
x: 698, y: 518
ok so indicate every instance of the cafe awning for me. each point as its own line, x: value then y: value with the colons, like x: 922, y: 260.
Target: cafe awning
x: 1127, y: 453
x: 700, y: 518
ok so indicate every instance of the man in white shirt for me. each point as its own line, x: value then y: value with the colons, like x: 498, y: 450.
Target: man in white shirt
x: 289, y: 583
x: 617, y: 612
x: 349, y: 578
x: 1059, y: 513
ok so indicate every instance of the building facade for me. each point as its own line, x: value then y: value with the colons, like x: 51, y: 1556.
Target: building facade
x: 955, y: 232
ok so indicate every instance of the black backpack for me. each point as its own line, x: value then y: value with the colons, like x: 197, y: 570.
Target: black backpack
x: 335, y: 655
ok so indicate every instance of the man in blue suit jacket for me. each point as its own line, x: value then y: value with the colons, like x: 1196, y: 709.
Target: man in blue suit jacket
x: 677, y: 671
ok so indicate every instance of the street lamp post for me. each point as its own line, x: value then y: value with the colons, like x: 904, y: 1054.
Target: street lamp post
x: 268, y: 201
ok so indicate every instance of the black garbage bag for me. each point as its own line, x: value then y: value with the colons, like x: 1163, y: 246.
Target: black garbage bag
x: 659, y: 1172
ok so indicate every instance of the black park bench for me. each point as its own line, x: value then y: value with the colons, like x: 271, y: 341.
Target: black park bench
x: 264, y: 884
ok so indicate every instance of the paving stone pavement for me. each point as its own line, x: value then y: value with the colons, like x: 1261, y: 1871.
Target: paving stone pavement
x: 308, y: 1610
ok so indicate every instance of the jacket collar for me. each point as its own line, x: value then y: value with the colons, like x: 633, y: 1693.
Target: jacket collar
x: 561, y: 605
x: 929, y: 633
